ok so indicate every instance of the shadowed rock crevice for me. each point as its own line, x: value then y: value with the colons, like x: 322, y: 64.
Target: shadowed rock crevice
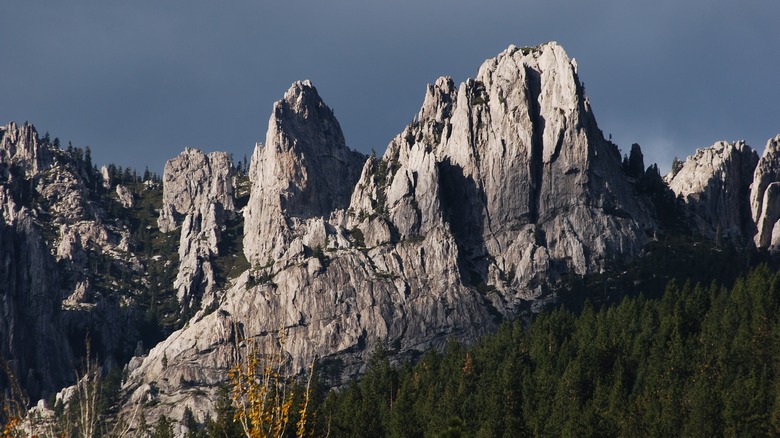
x: 536, y: 159
x: 462, y: 202
x: 31, y: 339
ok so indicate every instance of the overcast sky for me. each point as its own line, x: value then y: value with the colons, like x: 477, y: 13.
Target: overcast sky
x: 138, y: 81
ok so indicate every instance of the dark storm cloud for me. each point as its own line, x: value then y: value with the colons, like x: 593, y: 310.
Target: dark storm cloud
x: 138, y: 81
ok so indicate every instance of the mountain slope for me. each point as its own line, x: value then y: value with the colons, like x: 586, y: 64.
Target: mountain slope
x: 499, y: 187
x: 502, y: 190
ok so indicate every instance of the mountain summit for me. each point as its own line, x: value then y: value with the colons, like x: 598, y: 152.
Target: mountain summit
x: 304, y: 170
x: 501, y: 189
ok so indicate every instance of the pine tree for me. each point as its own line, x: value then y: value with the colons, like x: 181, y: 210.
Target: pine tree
x: 164, y: 428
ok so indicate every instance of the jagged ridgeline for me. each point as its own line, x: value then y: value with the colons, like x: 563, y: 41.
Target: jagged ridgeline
x: 501, y: 192
x: 82, y: 258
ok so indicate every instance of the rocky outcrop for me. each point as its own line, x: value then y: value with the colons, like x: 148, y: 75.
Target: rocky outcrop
x: 191, y: 182
x: 31, y: 337
x: 765, y: 197
x: 125, y: 196
x: 59, y: 249
x: 500, y: 186
x: 714, y: 184
x: 21, y: 147
x: 198, y: 196
x: 304, y: 171
x: 529, y: 186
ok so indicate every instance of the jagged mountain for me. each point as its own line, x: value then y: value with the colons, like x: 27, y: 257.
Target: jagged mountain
x: 65, y: 258
x: 198, y: 196
x: 528, y: 184
x: 31, y: 339
x: 502, y: 187
x: 499, y: 187
x: 715, y: 187
x: 764, y: 199
x: 304, y: 172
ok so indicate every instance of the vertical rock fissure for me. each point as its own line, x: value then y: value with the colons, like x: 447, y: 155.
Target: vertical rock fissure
x: 745, y: 213
x: 535, y: 163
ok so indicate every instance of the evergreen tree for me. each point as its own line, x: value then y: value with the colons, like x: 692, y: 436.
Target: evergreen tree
x: 164, y: 428
x: 88, y: 158
x: 676, y: 166
x: 190, y: 423
x: 699, y: 361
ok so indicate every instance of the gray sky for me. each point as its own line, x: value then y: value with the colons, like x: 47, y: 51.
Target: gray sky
x: 138, y: 81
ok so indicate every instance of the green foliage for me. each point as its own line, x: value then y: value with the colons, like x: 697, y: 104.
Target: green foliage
x: 676, y: 166
x: 164, y: 428
x: 319, y: 254
x: 364, y: 408
x: 671, y: 257
x: 110, y: 385
x: 415, y: 239
x: 224, y: 426
x: 191, y: 424
x: 357, y: 237
x: 479, y: 95
x: 231, y: 261
x: 162, y: 312
x: 384, y: 173
x: 701, y: 361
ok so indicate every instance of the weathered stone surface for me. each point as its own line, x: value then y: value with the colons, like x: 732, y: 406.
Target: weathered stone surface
x: 79, y: 239
x: 529, y: 186
x: 124, y: 195
x: 52, y: 235
x: 20, y: 146
x: 105, y: 177
x: 191, y: 182
x: 500, y: 185
x: 714, y: 183
x: 764, y: 200
x: 198, y: 195
x: 304, y: 170
x: 31, y: 339
x: 334, y: 313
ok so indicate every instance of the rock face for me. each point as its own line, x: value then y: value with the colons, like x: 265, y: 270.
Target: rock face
x: 198, y: 196
x: 500, y: 185
x: 124, y: 195
x: 303, y: 171
x: 58, y: 251
x: 714, y: 184
x: 765, y: 197
x: 21, y: 147
x: 31, y: 339
x: 193, y: 181
x: 529, y: 186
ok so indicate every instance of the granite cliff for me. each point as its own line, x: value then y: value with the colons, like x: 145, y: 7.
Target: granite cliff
x: 501, y: 189
x: 59, y: 247
x: 198, y: 197
x: 764, y: 200
x: 715, y: 184
x: 500, y: 186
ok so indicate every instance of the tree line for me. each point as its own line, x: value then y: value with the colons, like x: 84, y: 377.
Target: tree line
x: 700, y: 361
